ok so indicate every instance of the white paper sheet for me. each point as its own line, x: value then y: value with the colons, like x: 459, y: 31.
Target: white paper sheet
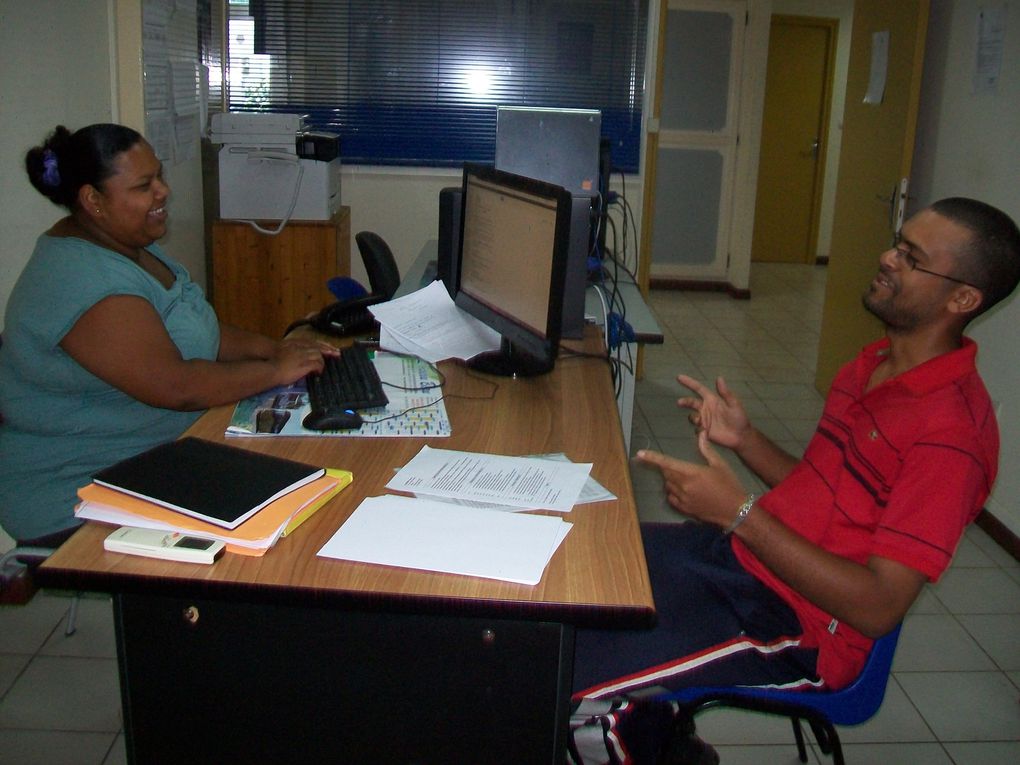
x: 436, y: 536
x: 428, y: 324
x: 98, y: 512
x: 518, y: 481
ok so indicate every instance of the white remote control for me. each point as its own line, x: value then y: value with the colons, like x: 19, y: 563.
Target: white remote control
x: 169, y: 545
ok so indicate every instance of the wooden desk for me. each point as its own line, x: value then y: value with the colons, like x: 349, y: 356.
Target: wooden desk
x: 296, y: 658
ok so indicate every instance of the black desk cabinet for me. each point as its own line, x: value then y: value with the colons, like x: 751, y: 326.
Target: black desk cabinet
x: 316, y: 684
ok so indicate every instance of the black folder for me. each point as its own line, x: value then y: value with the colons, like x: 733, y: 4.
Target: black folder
x: 218, y: 483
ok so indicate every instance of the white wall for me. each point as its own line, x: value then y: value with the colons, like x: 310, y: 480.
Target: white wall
x: 401, y: 204
x: 967, y: 145
x: 55, y: 68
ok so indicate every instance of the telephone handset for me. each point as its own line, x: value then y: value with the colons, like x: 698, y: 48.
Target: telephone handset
x: 347, y: 317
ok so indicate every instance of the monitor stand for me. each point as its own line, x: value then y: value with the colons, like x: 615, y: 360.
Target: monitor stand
x: 509, y: 362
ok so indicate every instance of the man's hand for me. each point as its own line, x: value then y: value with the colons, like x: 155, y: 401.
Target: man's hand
x: 709, y: 492
x: 719, y: 413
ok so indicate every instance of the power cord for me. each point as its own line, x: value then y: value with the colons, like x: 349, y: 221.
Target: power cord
x: 280, y: 157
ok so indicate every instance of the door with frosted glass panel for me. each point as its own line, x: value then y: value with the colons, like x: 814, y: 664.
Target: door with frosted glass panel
x: 698, y: 101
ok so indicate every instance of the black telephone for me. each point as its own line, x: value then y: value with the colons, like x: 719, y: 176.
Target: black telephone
x: 345, y: 317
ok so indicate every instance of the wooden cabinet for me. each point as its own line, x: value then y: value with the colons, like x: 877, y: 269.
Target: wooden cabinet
x: 262, y: 283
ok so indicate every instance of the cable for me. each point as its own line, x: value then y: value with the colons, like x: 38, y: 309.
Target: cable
x: 605, y: 312
x: 434, y: 367
x: 442, y: 382
x: 294, y: 198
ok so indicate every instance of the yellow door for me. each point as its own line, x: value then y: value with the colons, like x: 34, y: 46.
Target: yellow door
x: 790, y: 170
x: 874, y: 167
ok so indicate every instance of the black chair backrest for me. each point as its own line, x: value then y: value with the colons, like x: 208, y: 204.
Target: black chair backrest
x: 383, y: 274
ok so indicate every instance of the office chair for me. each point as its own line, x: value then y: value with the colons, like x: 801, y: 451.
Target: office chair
x: 853, y: 705
x: 383, y: 274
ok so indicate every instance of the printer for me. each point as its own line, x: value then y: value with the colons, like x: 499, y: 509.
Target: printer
x: 272, y: 167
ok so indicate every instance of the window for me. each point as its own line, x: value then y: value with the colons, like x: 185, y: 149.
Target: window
x: 418, y: 81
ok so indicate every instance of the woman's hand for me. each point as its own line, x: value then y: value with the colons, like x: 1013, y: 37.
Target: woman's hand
x: 295, y: 358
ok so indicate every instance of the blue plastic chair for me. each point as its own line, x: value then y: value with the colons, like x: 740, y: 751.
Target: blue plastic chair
x: 852, y: 705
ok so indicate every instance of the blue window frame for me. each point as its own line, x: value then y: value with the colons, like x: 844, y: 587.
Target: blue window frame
x: 417, y: 82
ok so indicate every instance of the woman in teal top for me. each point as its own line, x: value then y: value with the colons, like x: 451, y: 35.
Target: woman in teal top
x: 108, y: 346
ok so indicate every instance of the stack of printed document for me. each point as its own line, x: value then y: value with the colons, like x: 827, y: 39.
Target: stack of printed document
x: 432, y: 533
x: 508, y: 483
x: 428, y: 324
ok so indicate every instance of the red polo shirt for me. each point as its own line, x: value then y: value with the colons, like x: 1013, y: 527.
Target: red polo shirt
x: 897, y: 472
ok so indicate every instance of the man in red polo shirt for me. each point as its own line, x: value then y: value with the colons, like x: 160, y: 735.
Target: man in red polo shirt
x: 790, y: 589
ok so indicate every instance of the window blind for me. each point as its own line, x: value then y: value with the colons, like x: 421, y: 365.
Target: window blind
x: 417, y: 82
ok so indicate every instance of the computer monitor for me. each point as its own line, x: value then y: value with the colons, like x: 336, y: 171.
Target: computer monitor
x: 514, y: 242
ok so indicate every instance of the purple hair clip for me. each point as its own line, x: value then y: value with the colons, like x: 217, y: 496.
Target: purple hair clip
x: 51, y: 176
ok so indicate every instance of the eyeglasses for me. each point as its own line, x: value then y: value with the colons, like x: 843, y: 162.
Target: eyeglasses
x: 903, y: 251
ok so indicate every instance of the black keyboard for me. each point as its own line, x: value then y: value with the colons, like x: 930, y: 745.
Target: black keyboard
x: 348, y: 381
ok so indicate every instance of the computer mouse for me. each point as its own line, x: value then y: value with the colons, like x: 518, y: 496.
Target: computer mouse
x: 326, y: 420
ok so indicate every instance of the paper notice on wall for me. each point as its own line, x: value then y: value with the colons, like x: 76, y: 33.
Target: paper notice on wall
x: 991, y: 32
x: 879, y: 67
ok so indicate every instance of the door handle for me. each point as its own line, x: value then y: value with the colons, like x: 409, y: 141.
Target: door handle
x: 813, y: 151
x: 891, y: 201
x: 897, y: 202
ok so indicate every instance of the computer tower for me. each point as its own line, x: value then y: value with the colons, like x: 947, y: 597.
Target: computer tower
x: 605, y: 178
x: 576, y: 282
x: 560, y: 146
x: 449, y: 236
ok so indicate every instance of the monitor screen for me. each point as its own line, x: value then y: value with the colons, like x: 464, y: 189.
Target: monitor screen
x: 515, y: 237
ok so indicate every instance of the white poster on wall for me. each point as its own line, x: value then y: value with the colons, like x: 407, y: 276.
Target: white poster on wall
x: 990, y: 33
x: 879, y: 67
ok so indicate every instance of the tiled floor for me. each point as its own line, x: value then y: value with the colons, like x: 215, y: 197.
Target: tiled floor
x: 955, y: 692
